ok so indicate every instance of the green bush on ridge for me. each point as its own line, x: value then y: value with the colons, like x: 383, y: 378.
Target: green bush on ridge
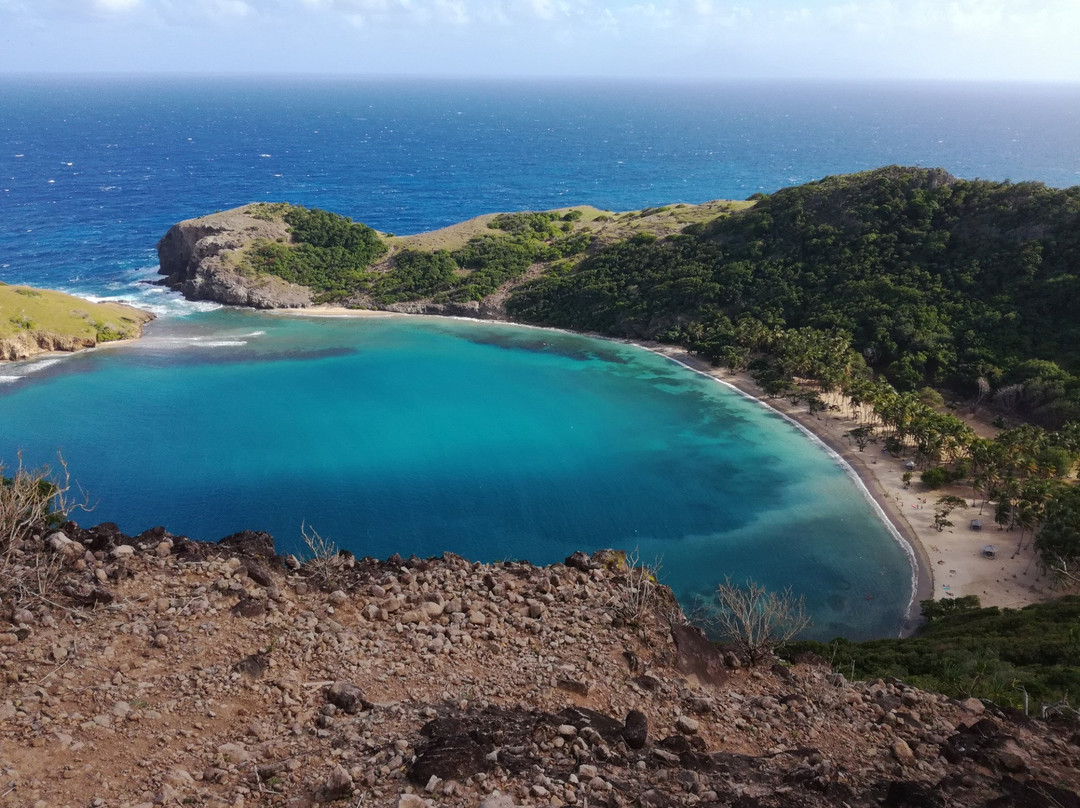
x: 965, y: 651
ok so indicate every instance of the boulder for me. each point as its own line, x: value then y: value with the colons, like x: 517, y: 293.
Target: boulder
x: 254, y: 543
x: 253, y: 666
x: 902, y: 752
x: 347, y: 697
x: 687, y: 725
x: 339, y: 785
x: 696, y: 656
x: 635, y: 729
x: 580, y: 561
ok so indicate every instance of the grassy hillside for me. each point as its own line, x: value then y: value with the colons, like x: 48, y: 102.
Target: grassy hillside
x: 25, y: 311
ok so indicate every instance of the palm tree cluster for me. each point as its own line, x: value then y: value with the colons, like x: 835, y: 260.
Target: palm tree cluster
x: 1024, y: 472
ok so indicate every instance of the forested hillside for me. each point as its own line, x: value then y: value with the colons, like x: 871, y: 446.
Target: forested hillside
x: 934, y: 280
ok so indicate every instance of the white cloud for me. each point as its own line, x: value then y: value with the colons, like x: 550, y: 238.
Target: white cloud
x: 116, y: 5
x: 230, y: 8
x: 852, y: 38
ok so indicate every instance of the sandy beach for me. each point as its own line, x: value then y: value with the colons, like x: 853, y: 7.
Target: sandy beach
x: 335, y: 311
x: 949, y: 563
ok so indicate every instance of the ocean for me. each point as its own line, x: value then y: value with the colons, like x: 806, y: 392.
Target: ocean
x: 423, y: 435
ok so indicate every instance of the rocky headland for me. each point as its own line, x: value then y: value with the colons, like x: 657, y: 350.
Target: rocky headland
x: 154, y: 670
x: 199, y: 258
x: 217, y: 257
x: 37, y: 321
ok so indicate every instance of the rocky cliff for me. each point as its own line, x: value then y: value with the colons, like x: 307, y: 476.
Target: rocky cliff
x: 153, y: 670
x: 199, y: 258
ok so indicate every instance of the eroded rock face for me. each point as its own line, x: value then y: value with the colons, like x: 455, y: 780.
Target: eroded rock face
x: 697, y: 656
x: 488, y: 309
x: 23, y: 346
x: 199, y: 259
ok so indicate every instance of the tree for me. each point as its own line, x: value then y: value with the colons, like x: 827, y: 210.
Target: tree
x: 755, y: 619
x: 1058, y: 541
x: 935, y: 477
x: 944, y: 507
x: 862, y: 435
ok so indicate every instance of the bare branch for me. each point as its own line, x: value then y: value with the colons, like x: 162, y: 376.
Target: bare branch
x: 321, y: 559
x: 755, y: 619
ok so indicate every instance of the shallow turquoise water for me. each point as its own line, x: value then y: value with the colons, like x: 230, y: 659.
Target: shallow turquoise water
x: 419, y: 435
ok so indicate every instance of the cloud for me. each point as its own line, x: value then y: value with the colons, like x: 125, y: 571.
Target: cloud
x: 997, y: 39
x: 116, y: 5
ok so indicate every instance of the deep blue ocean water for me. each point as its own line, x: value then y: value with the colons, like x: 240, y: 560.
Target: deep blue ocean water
x: 417, y: 436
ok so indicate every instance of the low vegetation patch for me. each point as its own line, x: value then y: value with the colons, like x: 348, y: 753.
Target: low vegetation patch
x: 1002, y: 655
x: 25, y: 309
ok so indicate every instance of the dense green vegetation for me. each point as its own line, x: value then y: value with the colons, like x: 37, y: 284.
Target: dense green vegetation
x: 965, y: 651
x: 333, y: 255
x: 936, y: 281
x: 415, y: 274
x: 330, y: 253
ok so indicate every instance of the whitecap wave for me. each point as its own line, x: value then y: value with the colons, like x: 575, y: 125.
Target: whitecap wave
x: 157, y: 299
x: 205, y: 341
x: 9, y: 379
x: 38, y: 365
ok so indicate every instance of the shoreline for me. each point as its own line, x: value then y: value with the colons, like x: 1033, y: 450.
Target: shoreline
x: 922, y: 574
x: 948, y: 563
x: 945, y: 564
x: 44, y: 355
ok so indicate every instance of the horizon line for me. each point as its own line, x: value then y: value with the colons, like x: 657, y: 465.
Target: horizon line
x: 526, y: 78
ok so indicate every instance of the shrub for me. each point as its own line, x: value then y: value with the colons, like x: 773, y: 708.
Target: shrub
x: 935, y: 477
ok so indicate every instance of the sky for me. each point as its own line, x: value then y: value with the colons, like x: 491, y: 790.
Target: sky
x: 995, y: 40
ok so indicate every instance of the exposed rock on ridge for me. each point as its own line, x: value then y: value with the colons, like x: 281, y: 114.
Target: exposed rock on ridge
x: 25, y: 345
x: 157, y: 670
x: 198, y: 259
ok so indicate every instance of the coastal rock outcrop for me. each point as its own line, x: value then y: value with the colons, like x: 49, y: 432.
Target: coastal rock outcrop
x: 200, y: 259
x: 28, y: 344
x: 488, y: 309
x: 128, y: 680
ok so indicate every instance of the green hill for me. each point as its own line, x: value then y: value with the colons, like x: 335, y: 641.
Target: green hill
x: 934, y: 280
x: 34, y: 321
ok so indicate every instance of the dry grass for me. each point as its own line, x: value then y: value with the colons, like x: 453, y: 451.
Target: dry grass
x: 25, y: 309
x: 608, y: 225
x: 321, y: 560
x: 447, y: 238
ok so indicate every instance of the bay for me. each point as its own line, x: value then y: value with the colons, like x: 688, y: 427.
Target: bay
x: 425, y: 435
x: 417, y: 437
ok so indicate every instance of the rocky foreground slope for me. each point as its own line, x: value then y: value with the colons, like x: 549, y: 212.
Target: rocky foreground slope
x: 158, y: 671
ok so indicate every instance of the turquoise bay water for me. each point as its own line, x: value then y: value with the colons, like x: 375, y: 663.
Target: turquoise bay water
x: 419, y: 435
